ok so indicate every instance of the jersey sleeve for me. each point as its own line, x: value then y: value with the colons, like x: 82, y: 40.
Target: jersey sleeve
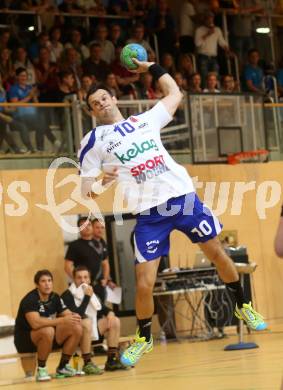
x: 60, y: 305
x: 29, y: 304
x: 71, y: 253
x: 158, y: 116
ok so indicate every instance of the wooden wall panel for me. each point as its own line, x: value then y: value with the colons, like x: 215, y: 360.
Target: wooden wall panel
x: 34, y: 240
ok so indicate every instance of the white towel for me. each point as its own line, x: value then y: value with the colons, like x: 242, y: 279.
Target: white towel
x: 93, y: 307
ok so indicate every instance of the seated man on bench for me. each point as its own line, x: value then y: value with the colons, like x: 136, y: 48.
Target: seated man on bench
x: 97, y: 320
x: 44, y: 323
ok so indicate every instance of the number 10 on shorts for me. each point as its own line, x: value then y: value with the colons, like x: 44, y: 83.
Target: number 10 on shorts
x: 204, y: 229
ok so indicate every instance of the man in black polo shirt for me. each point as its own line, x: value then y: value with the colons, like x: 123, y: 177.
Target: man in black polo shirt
x: 42, y: 321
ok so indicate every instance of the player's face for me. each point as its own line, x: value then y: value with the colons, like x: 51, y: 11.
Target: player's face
x: 45, y: 285
x: 98, y: 230
x: 82, y: 277
x: 102, y: 104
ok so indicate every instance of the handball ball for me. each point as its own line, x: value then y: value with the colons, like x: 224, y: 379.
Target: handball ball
x: 133, y: 50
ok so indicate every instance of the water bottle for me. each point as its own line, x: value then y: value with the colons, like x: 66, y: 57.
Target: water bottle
x: 76, y: 361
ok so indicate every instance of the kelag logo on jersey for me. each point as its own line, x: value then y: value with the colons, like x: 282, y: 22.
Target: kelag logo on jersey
x: 137, y: 149
x: 151, y: 168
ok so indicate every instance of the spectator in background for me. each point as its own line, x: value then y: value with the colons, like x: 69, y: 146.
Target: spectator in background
x: 42, y: 41
x: 102, y: 321
x: 207, y: 39
x: 228, y: 84
x: 69, y: 6
x: 180, y: 81
x: 70, y: 61
x: 141, y: 10
x: 138, y: 37
x: 187, y: 26
x: 195, y: 83
x: 46, y: 74
x: 107, y: 47
x: 95, y: 65
x: 279, y: 77
x: 146, y: 89
x: 112, y: 84
x: 7, y: 69
x: 168, y: 64
x: 5, y: 38
x: 120, y: 7
x: 186, y: 66
x: 56, y: 47
x: 66, y: 87
x: 86, y: 82
x: 253, y: 74
x: 115, y: 35
x: 125, y: 79
x: 242, y: 26
x: 76, y: 43
x: 92, y: 7
x: 22, y: 61
x: 161, y: 22
x: 43, y: 318
x: 211, y: 83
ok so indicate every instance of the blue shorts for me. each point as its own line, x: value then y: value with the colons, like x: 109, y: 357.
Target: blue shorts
x: 185, y: 213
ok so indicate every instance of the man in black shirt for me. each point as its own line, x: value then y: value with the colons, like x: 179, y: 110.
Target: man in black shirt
x: 107, y: 322
x: 43, y: 321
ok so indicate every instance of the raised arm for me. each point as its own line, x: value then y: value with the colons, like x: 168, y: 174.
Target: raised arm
x: 172, y: 94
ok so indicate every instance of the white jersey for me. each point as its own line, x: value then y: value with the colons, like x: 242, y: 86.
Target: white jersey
x: 147, y: 175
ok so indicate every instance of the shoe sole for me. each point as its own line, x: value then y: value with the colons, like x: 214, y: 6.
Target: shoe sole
x: 133, y: 364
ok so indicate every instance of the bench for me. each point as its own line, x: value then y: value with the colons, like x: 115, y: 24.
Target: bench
x: 28, y: 360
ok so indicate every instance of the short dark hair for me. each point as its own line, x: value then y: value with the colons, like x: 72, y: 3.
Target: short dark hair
x: 80, y: 268
x: 20, y: 70
x: 40, y: 273
x: 80, y: 220
x: 253, y: 50
x: 65, y: 73
x: 94, y: 88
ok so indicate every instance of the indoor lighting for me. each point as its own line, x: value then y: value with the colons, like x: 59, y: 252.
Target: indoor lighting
x: 263, y: 30
x: 31, y: 28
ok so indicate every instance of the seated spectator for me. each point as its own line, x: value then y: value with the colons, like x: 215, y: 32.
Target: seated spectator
x: 207, y: 39
x: 86, y: 82
x: 168, y: 64
x: 5, y: 39
x: 107, y: 47
x: 56, y: 47
x: 70, y: 61
x: 180, y: 81
x: 22, y: 61
x: 42, y: 41
x: 146, y: 90
x: 120, y: 7
x: 115, y: 35
x: 253, y: 74
x: 66, y: 87
x: 46, y: 74
x: 187, y: 26
x: 95, y: 65
x: 43, y: 322
x: 92, y: 7
x: 211, y: 83
x: 138, y: 37
x: 125, y: 79
x: 228, y: 84
x: 7, y: 69
x: 30, y: 116
x: 112, y: 84
x: 97, y: 320
x: 186, y: 66
x: 195, y: 83
x: 76, y: 43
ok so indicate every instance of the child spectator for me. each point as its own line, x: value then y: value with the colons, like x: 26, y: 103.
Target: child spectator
x: 211, y: 83
x: 195, y: 83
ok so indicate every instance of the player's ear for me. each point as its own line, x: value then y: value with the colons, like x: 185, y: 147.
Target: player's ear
x: 114, y: 99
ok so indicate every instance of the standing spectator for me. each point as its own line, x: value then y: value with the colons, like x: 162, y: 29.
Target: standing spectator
x: 95, y: 65
x: 253, y: 74
x: 207, y: 38
x: 138, y: 37
x: 112, y: 84
x: 43, y: 319
x: 107, y: 47
x: 103, y: 321
x: 56, y: 47
x: 70, y: 61
x: 211, y: 83
x: 161, y: 22
x: 116, y: 35
x: 76, y: 43
x: 242, y: 26
x: 195, y: 83
x: 168, y: 64
x: 22, y: 61
x: 228, y: 84
x: 46, y: 73
x: 7, y: 69
x: 187, y: 26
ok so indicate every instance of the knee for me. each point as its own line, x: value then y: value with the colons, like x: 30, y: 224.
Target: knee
x: 86, y: 325
x: 77, y: 330
x: 114, y: 323
x: 144, y: 287
x: 48, y: 333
